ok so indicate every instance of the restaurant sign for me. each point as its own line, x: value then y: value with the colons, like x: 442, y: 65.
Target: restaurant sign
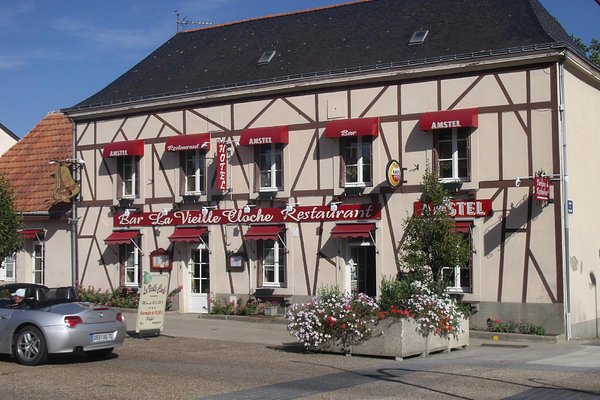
x: 463, y: 208
x: 349, y: 212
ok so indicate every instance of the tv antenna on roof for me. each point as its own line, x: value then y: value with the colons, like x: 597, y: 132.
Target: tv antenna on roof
x: 184, y: 22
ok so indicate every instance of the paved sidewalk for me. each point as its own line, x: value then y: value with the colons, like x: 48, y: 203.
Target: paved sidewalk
x: 583, y: 354
x: 487, y: 369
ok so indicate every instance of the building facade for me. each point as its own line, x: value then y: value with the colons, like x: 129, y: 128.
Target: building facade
x: 33, y: 166
x: 275, y: 184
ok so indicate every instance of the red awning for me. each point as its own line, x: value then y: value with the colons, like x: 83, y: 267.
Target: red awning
x: 352, y: 127
x: 121, y: 237
x: 352, y: 230
x: 462, y: 226
x: 30, y: 233
x: 467, y: 117
x: 120, y: 149
x: 188, y: 142
x: 191, y: 235
x: 273, y: 134
x: 263, y: 232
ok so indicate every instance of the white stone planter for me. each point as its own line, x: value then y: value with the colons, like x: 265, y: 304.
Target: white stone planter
x: 399, y: 339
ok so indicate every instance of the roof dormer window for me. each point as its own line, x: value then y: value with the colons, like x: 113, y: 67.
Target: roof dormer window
x: 418, y: 37
x: 266, y: 57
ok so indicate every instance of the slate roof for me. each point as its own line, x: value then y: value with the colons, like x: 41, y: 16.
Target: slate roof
x: 26, y: 164
x: 330, y: 40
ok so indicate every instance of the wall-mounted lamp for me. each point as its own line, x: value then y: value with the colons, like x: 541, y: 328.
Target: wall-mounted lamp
x: 518, y: 182
x: 289, y: 207
x: 126, y: 213
x: 205, y: 210
x: 247, y: 208
x: 333, y: 206
x: 164, y: 212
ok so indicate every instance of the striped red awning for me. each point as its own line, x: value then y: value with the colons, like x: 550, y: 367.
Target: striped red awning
x: 263, y: 232
x: 199, y: 141
x: 463, y: 226
x: 122, y: 149
x: 273, y: 134
x: 30, y: 233
x: 121, y: 237
x: 352, y: 127
x: 352, y: 230
x: 190, y: 235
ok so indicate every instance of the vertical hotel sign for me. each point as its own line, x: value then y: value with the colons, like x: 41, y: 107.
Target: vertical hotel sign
x: 222, y: 166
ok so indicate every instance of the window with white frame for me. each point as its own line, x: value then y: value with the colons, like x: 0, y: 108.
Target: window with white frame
x: 452, y: 147
x: 273, y: 263
x: 130, y: 264
x: 270, y: 167
x: 38, y: 271
x: 8, y: 269
x: 357, y: 161
x: 128, y: 174
x: 194, y: 171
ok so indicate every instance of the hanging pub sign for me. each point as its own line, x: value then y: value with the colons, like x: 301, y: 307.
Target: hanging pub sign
x: 541, y: 188
x: 257, y: 215
x: 221, y: 166
x: 463, y: 208
x: 393, y: 174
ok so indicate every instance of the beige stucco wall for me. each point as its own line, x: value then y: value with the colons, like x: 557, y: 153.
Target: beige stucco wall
x: 57, y: 254
x: 582, y: 102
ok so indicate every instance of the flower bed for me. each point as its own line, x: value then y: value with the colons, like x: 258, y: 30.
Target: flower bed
x: 401, y: 338
x: 355, y: 324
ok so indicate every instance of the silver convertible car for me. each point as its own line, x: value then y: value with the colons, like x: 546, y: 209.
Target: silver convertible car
x: 47, y: 321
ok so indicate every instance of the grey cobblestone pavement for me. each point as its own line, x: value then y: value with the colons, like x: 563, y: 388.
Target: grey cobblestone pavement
x: 487, y: 370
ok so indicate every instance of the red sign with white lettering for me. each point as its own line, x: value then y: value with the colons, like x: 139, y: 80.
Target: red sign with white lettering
x: 463, y: 208
x: 350, y: 212
x: 221, y: 166
x: 542, y: 188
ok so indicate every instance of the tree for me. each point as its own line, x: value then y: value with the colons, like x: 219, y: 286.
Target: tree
x: 10, y: 222
x: 431, y: 243
x: 592, y: 51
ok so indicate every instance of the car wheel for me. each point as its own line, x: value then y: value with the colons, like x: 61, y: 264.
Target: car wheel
x: 30, y: 346
x: 99, y: 353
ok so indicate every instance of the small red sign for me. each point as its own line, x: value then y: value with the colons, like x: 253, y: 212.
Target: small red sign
x: 542, y: 188
x: 222, y: 166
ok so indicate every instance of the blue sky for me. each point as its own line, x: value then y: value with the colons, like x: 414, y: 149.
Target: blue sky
x: 56, y: 53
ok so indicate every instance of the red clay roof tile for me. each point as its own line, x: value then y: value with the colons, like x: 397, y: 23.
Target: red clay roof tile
x: 26, y: 164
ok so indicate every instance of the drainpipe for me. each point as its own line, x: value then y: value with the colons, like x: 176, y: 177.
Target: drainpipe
x: 565, y: 198
x: 73, y: 220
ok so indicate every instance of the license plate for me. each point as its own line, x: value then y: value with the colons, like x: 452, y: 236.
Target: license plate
x: 101, y: 337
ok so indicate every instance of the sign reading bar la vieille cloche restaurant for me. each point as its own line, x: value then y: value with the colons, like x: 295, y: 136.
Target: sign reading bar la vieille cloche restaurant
x: 344, y: 212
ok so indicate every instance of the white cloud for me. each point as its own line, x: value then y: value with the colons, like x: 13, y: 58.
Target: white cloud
x: 10, y: 13
x: 11, y: 62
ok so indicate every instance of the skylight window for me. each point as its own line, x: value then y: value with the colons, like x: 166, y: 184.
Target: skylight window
x: 418, y: 37
x: 266, y: 57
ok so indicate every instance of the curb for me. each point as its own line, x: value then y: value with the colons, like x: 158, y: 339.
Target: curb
x: 278, y: 319
x: 517, y: 337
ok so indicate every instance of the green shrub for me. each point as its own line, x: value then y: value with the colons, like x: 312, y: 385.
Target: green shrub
x: 510, y: 326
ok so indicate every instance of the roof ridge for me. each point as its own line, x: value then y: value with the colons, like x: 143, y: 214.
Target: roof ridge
x: 349, y: 3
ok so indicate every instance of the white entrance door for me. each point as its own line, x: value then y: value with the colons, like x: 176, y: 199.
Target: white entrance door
x: 200, y: 280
